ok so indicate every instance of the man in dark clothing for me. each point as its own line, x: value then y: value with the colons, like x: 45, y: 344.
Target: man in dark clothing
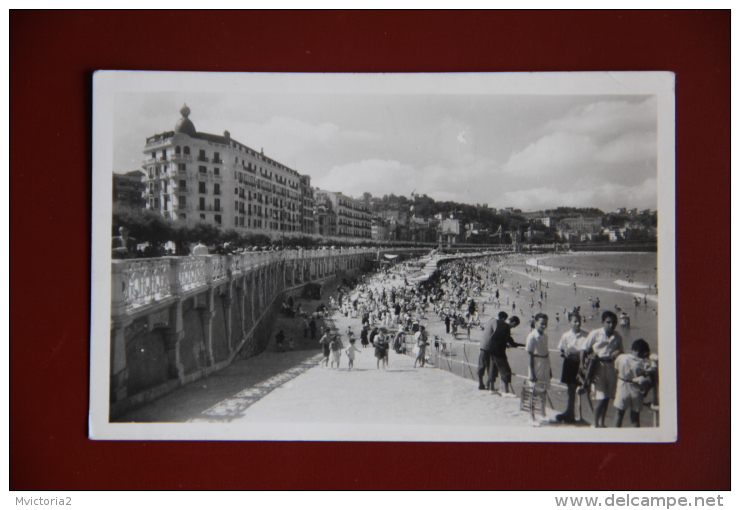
x: 501, y: 340
x: 492, y: 358
x: 124, y: 247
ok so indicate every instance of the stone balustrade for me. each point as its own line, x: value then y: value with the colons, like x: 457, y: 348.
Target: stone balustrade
x: 143, y: 282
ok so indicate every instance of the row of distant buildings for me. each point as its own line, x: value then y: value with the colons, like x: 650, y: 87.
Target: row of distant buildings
x: 192, y: 176
x: 581, y: 228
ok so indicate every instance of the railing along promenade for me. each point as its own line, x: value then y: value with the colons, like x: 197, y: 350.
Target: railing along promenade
x: 177, y: 319
x: 140, y: 283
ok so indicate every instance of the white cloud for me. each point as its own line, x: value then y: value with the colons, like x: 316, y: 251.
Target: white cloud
x: 605, y: 119
x: 378, y: 177
x: 633, y: 147
x: 603, y: 140
x: 554, y: 153
x: 290, y: 140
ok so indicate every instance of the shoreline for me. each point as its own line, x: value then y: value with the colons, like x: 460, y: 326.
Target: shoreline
x: 653, y: 298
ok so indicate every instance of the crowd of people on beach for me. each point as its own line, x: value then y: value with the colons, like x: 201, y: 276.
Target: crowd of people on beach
x: 393, y: 314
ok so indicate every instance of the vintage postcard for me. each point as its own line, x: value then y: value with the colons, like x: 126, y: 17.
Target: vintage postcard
x: 384, y: 257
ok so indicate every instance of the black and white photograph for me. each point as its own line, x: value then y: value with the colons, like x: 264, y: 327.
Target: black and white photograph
x: 458, y: 257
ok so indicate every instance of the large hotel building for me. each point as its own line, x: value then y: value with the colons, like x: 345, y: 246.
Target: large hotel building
x: 213, y: 178
x: 353, y: 217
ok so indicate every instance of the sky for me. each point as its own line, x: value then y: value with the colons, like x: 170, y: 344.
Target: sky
x: 530, y: 152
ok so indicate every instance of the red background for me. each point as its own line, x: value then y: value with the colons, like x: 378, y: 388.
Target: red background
x: 52, y: 57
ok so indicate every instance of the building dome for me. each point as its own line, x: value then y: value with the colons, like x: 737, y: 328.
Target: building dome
x: 185, y: 125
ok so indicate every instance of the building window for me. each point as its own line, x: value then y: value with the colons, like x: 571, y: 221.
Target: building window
x: 186, y: 150
x: 216, y: 189
x: 218, y: 218
x: 177, y: 150
x: 183, y: 216
x: 202, y: 155
x: 216, y: 158
x: 182, y: 200
x: 182, y: 185
x: 182, y: 167
x: 202, y: 169
x: 236, y: 221
x: 217, y: 204
x: 216, y: 171
x: 202, y: 216
x: 202, y: 187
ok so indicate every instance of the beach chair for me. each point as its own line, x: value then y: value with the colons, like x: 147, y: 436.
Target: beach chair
x: 534, y: 398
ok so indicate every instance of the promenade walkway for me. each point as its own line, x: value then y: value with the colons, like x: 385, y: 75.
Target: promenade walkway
x: 293, y: 388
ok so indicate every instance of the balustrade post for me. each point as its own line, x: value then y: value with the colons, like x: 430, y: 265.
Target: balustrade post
x: 119, y: 321
x: 206, y: 315
x: 240, y: 297
x: 118, y: 288
x: 229, y: 262
x: 227, y: 299
x: 208, y: 266
x: 119, y: 368
x: 176, y: 332
x: 174, y: 275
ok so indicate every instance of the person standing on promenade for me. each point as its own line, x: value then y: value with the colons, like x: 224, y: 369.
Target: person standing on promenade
x: 398, y: 340
x: 571, y: 346
x: 381, y: 345
x: 200, y: 249
x: 605, y: 344
x: 421, y: 343
x: 485, y: 363
x: 279, y: 339
x: 363, y: 337
x: 123, y: 246
x: 325, y: 345
x: 336, y: 350
x: 499, y: 361
x: 351, y: 351
x: 539, y: 352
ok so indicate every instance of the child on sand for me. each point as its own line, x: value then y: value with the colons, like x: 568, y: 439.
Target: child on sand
x: 336, y: 350
x: 633, y: 371
x: 351, y: 350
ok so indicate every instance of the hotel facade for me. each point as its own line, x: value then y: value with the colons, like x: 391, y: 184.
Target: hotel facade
x: 353, y: 217
x: 193, y: 176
